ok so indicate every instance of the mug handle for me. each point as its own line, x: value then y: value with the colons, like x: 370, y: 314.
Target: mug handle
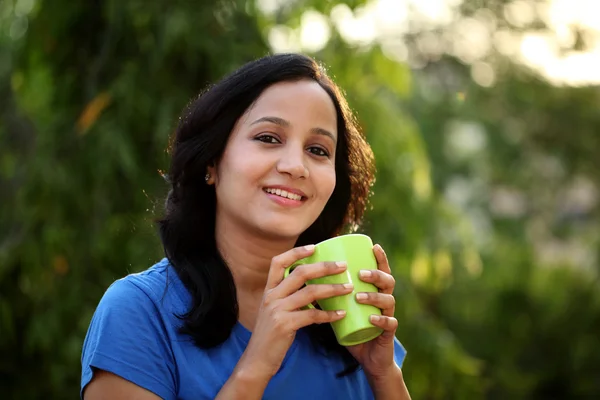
x: 287, y: 272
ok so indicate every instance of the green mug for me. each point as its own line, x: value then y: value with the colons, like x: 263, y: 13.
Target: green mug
x: 357, y: 250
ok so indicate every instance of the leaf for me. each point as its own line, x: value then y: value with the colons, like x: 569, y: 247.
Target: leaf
x: 92, y: 111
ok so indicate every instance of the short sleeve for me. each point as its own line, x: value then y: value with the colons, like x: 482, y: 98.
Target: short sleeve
x: 127, y: 337
x: 399, y: 352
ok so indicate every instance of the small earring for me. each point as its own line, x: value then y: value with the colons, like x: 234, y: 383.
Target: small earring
x: 207, y: 177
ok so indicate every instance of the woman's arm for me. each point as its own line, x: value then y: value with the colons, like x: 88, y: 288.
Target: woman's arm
x: 279, y: 317
x: 105, y: 385
x: 391, y: 387
x: 245, y: 383
x: 382, y: 357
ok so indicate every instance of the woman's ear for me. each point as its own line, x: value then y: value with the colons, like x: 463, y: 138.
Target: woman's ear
x: 211, y: 174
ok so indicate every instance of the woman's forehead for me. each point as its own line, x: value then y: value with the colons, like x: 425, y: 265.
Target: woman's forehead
x: 289, y: 100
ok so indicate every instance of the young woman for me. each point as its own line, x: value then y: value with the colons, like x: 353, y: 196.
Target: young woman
x: 265, y: 163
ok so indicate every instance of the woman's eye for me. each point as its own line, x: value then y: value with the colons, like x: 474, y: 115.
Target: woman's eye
x: 318, y: 151
x: 267, y: 139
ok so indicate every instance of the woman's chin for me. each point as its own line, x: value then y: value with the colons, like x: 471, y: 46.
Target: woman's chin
x: 283, y: 232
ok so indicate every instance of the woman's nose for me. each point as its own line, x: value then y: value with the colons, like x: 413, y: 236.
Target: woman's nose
x: 292, y: 163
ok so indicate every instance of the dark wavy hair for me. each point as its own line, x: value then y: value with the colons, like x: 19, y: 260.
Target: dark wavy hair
x: 187, y: 229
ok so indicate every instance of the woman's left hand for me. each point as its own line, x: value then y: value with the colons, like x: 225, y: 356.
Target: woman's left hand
x: 377, y: 356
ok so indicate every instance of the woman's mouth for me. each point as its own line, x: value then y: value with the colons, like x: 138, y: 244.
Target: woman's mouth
x: 284, y: 194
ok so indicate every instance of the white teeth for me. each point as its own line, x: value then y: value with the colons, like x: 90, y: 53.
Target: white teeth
x: 284, y: 193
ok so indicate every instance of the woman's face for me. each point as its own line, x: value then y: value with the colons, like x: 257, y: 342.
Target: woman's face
x: 278, y: 169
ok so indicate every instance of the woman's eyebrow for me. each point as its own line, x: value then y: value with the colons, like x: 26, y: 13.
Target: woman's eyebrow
x: 285, y: 124
x: 274, y: 120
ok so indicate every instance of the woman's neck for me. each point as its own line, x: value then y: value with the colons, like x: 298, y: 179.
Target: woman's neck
x: 248, y: 256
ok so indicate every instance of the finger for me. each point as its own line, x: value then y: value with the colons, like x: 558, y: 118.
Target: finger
x: 303, y: 273
x: 312, y: 293
x: 284, y: 260
x: 304, y: 318
x: 381, y: 257
x: 388, y: 324
x: 383, y: 280
x: 383, y: 301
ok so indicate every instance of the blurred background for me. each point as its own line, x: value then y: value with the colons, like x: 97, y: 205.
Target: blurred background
x: 484, y: 117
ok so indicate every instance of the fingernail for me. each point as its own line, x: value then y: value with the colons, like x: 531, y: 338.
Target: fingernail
x: 375, y: 318
x: 348, y: 285
x: 341, y: 264
x: 365, y: 273
x: 361, y: 296
x: 341, y: 312
x: 379, y: 247
x: 309, y: 247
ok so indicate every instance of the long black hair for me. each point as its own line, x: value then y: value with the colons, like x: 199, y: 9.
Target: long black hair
x: 187, y: 229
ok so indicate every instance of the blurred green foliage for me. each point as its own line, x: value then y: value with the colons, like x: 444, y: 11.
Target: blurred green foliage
x: 488, y: 307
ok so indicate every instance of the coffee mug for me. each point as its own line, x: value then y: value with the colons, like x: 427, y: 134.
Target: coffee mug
x: 357, y: 251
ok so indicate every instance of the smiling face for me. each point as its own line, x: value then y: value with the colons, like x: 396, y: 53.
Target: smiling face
x: 278, y: 169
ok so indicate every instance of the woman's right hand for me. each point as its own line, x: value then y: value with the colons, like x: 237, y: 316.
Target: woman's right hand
x: 281, y: 312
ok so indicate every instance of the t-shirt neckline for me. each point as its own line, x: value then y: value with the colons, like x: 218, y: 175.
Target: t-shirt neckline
x: 242, y: 332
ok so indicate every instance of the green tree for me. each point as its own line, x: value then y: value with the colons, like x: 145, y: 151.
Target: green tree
x: 93, y: 91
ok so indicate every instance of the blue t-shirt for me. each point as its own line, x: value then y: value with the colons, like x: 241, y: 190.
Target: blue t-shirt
x: 134, y: 334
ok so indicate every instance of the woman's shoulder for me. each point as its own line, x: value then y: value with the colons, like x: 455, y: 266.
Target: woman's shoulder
x: 130, y: 332
x: 158, y: 286
x: 148, y: 280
